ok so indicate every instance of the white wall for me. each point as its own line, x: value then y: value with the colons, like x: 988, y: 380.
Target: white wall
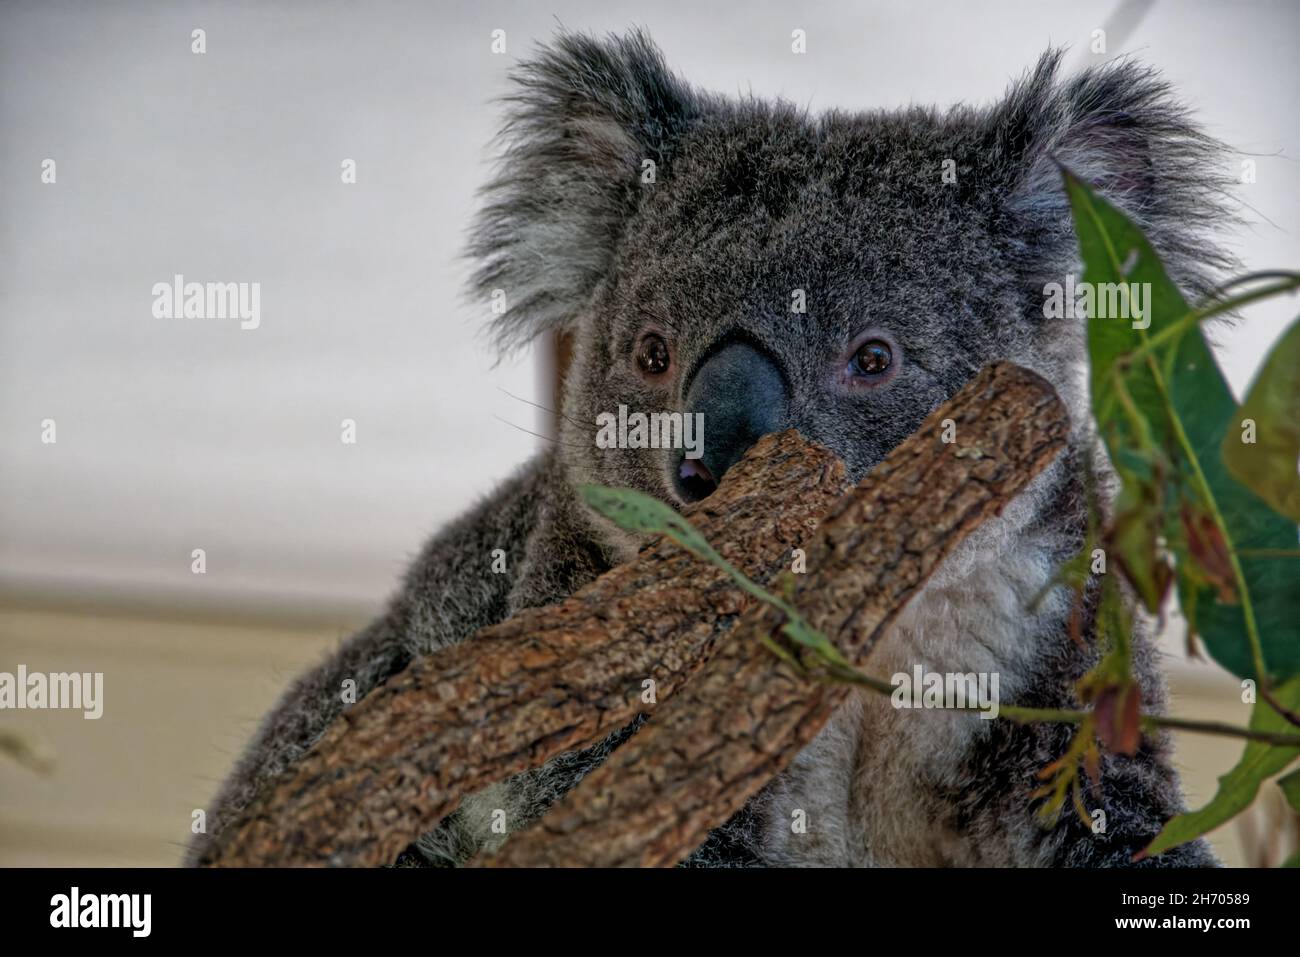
x: 175, y: 435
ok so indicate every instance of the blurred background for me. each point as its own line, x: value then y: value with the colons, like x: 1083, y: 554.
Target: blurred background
x: 177, y: 435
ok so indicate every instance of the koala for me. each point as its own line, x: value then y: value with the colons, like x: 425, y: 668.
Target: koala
x: 669, y: 233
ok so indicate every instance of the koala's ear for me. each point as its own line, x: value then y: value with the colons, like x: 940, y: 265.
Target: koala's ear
x: 1119, y: 128
x: 585, y: 116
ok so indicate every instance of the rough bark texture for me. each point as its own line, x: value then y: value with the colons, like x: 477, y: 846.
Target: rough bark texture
x: 738, y: 723
x: 562, y: 677
x: 546, y: 681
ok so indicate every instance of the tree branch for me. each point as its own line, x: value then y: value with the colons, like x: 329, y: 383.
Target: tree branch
x: 548, y: 680
x: 741, y: 721
x: 554, y: 679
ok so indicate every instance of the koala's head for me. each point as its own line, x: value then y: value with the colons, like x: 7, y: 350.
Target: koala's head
x: 840, y: 274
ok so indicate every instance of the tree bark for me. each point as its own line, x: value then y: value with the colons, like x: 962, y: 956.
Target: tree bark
x: 546, y: 681
x: 741, y: 721
x: 554, y: 679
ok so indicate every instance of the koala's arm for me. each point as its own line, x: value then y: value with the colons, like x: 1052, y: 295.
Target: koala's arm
x: 1135, y: 798
x: 932, y: 788
x: 449, y: 593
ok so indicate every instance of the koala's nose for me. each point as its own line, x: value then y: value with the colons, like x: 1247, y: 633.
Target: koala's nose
x: 743, y: 396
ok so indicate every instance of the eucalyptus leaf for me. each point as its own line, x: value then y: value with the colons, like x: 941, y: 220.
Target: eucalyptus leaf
x: 1173, y: 397
x: 637, y: 512
x: 1237, y: 788
x: 1267, y: 466
x: 1290, y: 786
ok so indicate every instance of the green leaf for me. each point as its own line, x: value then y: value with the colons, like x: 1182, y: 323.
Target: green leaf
x: 1237, y: 788
x: 1268, y: 466
x: 1290, y: 786
x: 637, y: 512
x: 1173, y: 398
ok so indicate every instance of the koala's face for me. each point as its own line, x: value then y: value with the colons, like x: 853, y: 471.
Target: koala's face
x: 841, y: 275
x: 790, y: 273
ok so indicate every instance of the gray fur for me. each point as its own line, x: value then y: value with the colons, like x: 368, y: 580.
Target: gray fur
x: 752, y: 200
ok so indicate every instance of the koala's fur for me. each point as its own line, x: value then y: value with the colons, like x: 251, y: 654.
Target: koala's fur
x: 751, y: 200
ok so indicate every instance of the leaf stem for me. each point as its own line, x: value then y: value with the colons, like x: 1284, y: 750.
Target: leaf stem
x: 1153, y: 721
x: 1201, y: 313
x: 1150, y: 722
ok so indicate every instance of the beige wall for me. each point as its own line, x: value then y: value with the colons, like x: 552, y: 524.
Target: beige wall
x: 180, y: 698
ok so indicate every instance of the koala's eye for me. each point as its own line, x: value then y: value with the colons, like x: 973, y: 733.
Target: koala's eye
x: 872, y: 358
x: 652, y: 355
